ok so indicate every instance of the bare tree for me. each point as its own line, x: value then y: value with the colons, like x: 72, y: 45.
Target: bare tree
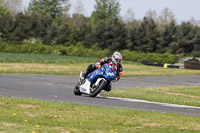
x: 166, y: 17
x: 79, y: 8
x: 194, y: 22
x: 78, y: 19
x: 1, y: 2
x: 65, y: 6
x: 14, y: 6
x: 129, y: 15
x: 151, y: 14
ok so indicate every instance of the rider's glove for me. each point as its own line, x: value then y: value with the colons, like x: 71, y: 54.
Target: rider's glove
x: 120, y: 73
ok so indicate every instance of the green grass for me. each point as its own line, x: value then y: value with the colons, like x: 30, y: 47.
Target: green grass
x: 22, y: 115
x: 183, y: 95
x: 43, y: 59
x: 11, y: 63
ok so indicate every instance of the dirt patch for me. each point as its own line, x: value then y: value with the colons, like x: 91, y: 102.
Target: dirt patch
x: 150, y: 125
x: 184, y: 128
x: 57, y: 128
x: 178, y: 94
x: 197, y: 127
x: 142, y: 120
x: 62, y: 111
x: 24, y: 106
x: 139, y: 127
x: 55, y: 116
x: 60, y: 129
x: 153, y: 125
x: 66, y: 132
x: 6, y: 124
x: 30, y: 115
x: 193, y: 126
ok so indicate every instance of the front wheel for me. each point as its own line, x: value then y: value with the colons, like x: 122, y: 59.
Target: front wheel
x: 98, y: 89
x: 77, y: 90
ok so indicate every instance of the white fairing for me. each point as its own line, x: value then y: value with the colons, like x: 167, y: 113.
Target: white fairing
x: 98, y: 80
x: 85, y: 88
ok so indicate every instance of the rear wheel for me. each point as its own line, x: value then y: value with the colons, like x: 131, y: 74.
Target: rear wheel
x: 98, y: 89
x: 77, y: 90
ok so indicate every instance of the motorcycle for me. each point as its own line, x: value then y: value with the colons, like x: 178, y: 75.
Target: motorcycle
x: 96, y: 81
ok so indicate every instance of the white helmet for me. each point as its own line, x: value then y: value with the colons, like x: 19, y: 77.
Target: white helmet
x: 117, y: 58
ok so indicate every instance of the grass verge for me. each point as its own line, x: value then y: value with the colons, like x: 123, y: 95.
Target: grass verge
x: 183, y: 95
x: 23, y: 115
x: 11, y: 63
x: 43, y: 59
x: 130, y: 70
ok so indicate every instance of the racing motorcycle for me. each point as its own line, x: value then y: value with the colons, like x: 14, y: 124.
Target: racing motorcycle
x: 96, y: 81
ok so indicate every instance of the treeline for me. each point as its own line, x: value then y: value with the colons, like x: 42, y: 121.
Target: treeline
x: 46, y: 22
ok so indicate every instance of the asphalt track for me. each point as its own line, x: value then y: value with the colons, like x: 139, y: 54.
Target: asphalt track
x: 60, y: 89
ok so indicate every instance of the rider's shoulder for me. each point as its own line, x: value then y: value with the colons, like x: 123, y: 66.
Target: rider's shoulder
x: 107, y: 58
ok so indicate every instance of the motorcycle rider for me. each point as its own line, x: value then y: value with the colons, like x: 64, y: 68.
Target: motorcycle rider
x: 116, y: 59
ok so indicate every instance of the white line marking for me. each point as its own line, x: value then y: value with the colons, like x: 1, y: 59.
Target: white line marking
x: 158, y: 103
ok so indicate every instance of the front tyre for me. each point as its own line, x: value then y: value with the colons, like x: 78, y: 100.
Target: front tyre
x: 77, y: 90
x: 98, y: 89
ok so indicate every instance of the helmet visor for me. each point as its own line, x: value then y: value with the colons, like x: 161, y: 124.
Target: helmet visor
x: 118, y: 60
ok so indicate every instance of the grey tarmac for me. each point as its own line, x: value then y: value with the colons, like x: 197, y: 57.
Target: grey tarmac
x: 60, y: 89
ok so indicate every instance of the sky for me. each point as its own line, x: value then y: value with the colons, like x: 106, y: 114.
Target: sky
x: 183, y: 10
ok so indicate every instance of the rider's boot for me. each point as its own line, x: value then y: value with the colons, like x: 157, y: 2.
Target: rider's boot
x: 108, y: 88
x: 90, y: 68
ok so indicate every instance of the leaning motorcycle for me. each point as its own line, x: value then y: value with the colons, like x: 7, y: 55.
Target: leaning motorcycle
x: 96, y: 81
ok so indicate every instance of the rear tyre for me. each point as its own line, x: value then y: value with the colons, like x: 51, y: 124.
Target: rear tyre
x: 77, y: 90
x: 98, y: 89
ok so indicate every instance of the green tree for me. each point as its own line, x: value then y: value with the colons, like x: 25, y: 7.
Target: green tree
x: 144, y: 38
x: 74, y: 36
x: 167, y: 37
x: 184, y: 39
x: 106, y: 29
x: 3, y: 11
x: 53, y: 8
x: 22, y: 28
x: 6, y: 23
x: 131, y: 37
x: 108, y: 36
x: 50, y: 32
x: 78, y: 20
x: 31, y: 26
x: 105, y: 10
x: 196, y: 50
